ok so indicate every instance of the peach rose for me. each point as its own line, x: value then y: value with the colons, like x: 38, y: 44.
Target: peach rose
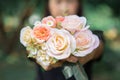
x: 41, y: 33
x: 25, y: 35
x: 61, y: 44
x: 49, y: 21
x: 74, y: 23
x: 86, y: 42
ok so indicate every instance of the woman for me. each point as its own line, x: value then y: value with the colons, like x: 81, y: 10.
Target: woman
x: 61, y: 8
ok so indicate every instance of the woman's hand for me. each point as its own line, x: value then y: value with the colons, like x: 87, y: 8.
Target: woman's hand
x: 72, y: 59
x: 51, y: 66
x: 82, y: 60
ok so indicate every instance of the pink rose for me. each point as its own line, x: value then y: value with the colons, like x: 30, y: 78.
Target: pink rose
x: 86, y: 42
x: 49, y: 21
x: 74, y: 23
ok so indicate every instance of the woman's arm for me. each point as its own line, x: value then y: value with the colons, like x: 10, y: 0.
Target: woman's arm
x: 92, y: 56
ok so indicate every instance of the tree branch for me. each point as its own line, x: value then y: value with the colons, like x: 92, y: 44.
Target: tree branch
x: 26, y: 13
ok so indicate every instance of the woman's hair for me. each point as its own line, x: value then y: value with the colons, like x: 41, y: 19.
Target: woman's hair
x: 47, y: 12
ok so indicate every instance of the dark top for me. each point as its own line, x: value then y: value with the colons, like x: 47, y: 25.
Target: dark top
x: 54, y: 74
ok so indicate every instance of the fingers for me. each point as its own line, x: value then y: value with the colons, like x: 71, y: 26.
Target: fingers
x: 72, y: 59
x: 87, y: 58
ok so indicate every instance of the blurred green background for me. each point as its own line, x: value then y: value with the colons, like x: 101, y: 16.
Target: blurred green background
x: 15, y: 14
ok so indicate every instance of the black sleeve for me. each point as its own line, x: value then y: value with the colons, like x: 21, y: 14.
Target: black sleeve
x: 100, y: 35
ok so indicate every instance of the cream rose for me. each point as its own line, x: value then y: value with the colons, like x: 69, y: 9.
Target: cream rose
x: 74, y: 23
x: 86, y: 42
x: 25, y: 35
x: 61, y: 44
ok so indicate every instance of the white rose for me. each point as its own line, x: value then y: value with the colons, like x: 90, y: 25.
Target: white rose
x: 61, y: 44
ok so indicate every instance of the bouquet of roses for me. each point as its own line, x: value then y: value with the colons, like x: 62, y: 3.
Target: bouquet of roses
x: 54, y: 39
